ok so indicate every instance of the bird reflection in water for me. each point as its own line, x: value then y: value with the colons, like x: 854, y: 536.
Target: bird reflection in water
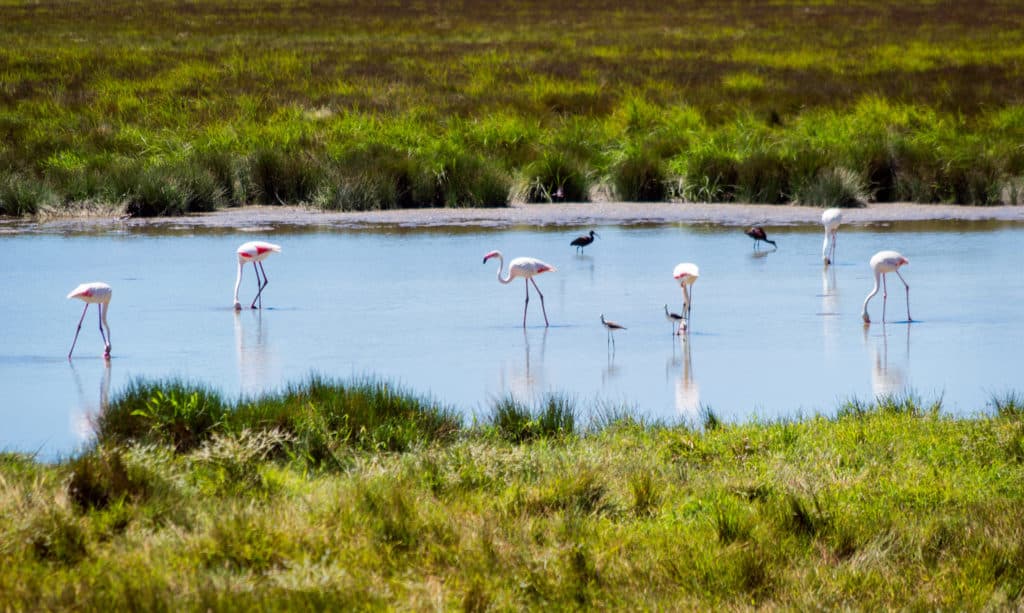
x: 83, y: 416
x: 830, y: 310
x: 886, y: 379
x: 687, y: 391
x: 256, y: 363
x: 528, y: 381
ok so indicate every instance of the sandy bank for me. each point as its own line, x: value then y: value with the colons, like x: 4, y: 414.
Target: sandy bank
x: 601, y: 213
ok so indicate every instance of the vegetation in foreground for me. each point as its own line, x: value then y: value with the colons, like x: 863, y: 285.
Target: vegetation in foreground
x: 175, y: 106
x: 361, y: 496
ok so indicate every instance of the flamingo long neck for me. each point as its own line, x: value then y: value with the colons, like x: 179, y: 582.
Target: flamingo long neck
x: 238, y: 280
x: 501, y: 264
x: 874, y: 290
x: 828, y: 243
x: 104, y: 307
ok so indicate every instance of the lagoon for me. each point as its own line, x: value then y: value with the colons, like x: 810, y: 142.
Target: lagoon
x: 774, y: 334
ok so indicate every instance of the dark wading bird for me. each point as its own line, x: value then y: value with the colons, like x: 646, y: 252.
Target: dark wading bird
x: 758, y: 234
x: 675, y: 319
x: 526, y: 268
x: 582, y: 241
x: 611, y: 326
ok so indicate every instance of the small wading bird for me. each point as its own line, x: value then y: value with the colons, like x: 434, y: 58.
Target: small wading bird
x: 831, y: 219
x: 611, y: 326
x: 582, y: 241
x: 686, y: 274
x: 673, y: 318
x: 526, y: 268
x: 99, y: 294
x: 883, y: 263
x: 255, y: 252
x: 758, y: 234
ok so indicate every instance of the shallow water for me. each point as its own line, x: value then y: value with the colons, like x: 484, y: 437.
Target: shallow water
x: 773, y: 335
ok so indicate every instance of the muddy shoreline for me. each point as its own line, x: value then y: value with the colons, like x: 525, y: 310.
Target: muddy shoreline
x: 601, y: 213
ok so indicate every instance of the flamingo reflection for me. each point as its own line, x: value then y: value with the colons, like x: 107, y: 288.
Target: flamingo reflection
x: 256, y: 364
x: 886, y: 379
x: 687, y: 390
x: 830, y: 310
x: 528, y: 382
x: 83, y: 416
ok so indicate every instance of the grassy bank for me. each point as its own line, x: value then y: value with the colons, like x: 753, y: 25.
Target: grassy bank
x: 192, y: 502
x: 171, y: 107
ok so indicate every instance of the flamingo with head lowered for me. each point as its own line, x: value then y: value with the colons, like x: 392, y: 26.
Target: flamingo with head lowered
x: 883, y: 263
x: 686, y: 274
x: 99, y: 294
x: 255, y: 252
x: 527, y: 268
x: 831, y: 219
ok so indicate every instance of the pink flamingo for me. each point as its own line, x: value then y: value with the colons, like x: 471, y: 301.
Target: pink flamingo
x: 99, y: 294
x: 526, y: 268
x: 686, y: 274
x: 255, y: 252
x: 831, y: 219
x: 883, y: 263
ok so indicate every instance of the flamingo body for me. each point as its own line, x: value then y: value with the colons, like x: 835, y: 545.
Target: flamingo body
x: 525, y: 268
x: 97, y: 293
x: 254, y: 252
x: 830, y: 219
x: 758, y: 234
x: 582, y: 241
x: 883, y: 263
x: 686, y: 274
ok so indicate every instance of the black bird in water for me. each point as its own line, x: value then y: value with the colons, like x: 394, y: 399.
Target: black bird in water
x: 758, y: 234
x: 582, y: 241
x: 611, y: 326
x: 673, y: 318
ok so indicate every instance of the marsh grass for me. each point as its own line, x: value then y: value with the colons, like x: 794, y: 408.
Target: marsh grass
x: 858, y: 510
x: 372, y: 106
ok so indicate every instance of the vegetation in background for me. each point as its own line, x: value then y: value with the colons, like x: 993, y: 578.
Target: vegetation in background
x: 188, y: 501
x: 171, y: 107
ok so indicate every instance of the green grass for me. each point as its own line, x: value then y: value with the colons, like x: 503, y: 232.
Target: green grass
x: 888, y: 504
x: 176, y: 107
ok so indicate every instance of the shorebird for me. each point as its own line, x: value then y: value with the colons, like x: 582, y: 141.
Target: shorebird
x: 831, y: 219
x: 99, y: 294
x: 611, y: 326
x: 255, y: 252
x: 582, y: 241
x: 758, y: 234
x: 882, y: 263
x: 673, y: 318
x: 527, y: 268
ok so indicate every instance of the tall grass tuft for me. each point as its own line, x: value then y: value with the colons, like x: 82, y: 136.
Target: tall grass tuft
x: 21, y: 195
x: 639, y: 175
x: 832, y: 187
x: 170, y: 412
x: 555, y: 177
x: 517, y: 422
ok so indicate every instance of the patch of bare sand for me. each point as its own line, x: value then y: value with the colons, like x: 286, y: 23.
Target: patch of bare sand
x: 266, y: 218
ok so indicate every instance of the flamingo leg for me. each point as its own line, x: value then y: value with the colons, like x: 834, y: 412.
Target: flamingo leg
x: 885, y: 297
x: 527, y: 303
x: 259, y: 287
x: 99, y: 313
x: 542, y: 309
x: 79, y: 329
x: 907, y: 286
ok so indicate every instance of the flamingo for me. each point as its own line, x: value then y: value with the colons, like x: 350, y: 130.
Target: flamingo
x: 673, y: 318
x: 611, y: 326
x: 255, y: 252
x: 686, y: 274
x: 758, y: 234
x: 582, y: 241
x: 830, y: 218
x: 883, y: 263
x: 93, y: 293
x: 526, y: 268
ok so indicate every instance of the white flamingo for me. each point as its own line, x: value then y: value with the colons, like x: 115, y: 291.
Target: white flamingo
x: 255, y: 252
x: 882, y: 263
x: 831, y: 219
x: 686, y: 274
x: 527, y: 268
x: 99, y: 294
